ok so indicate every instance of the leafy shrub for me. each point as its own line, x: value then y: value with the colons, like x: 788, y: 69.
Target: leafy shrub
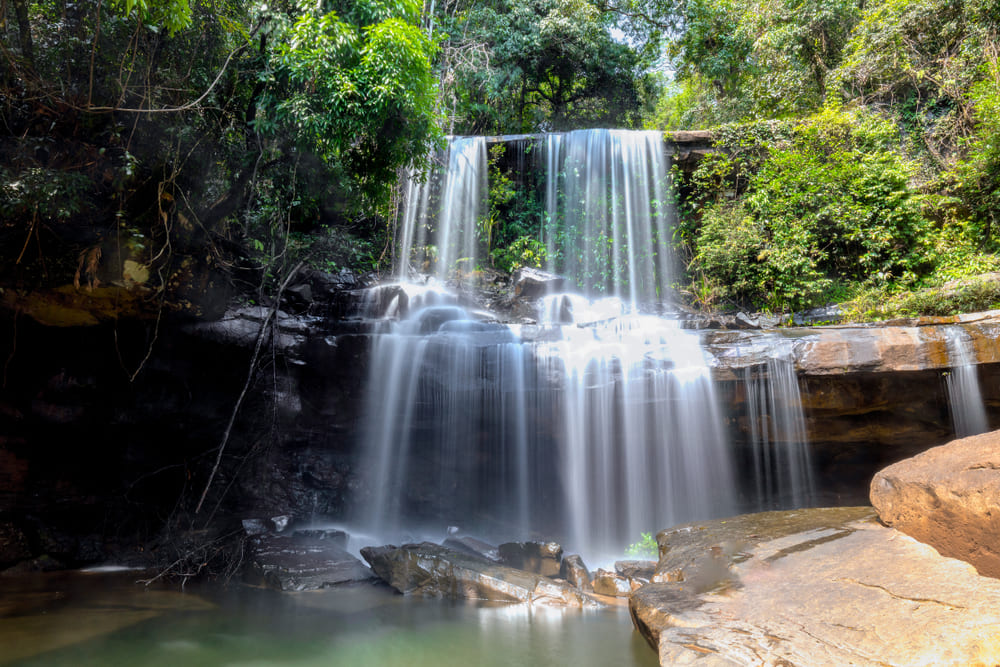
x: 524, y: 251
x: 830, y: 204
x: 646, y: 547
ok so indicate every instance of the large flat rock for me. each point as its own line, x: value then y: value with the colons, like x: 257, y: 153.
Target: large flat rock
x: 948, y: 497
x: 430, y: 570
x: 814, y: 587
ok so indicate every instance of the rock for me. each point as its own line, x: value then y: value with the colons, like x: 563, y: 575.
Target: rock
x: 948, y: 497
x: 257, y: 526
x: 611, y: 584
x: 531, y: 283
x: 640, y: 571
x: 473, y: 547
x: 302, y: 563
x: 575, y: 572
x: 14, y: 545
x: 332, y: 535
x: 430, y: 570
x: 539, y: 557
x: 814, y: 587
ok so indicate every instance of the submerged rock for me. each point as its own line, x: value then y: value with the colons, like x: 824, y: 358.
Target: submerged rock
x: 306, y: 560
x: 430, y: 570
x: 948, y: 497
x: 814, y: 587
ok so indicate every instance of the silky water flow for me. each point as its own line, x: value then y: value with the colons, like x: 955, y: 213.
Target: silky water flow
x: 593, y: 425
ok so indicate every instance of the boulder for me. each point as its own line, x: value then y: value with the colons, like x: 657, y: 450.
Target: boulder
x: 636, y: 569
x: 543, y: 558
x: 948, y: 497
x: 430, y: 570
x: 814, y: 587
x: 611, y: 584
x: 302, y: 562
x: 575, y: 572
x: 531, y: 283
x: 473, y: 547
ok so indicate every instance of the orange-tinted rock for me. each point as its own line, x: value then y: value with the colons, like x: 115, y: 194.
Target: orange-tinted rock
x: 948, y: 497
x: 814, y: 587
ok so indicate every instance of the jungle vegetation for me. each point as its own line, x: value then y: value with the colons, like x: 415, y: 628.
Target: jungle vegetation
x: 859, y: 139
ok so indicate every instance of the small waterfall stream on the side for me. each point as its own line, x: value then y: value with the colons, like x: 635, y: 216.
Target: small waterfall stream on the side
x: 590, y: 425
x: 968, y: 412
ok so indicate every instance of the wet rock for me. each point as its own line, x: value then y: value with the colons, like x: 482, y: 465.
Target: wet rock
x: 331, y: 535
x: 302, y: 563
x: 543, y: 558
x: 531, y: 283
x: 948, y: 497
x: 814, y: 587
x: 640, y: 571
x: 611, y: 584
x: 575, y: 572
x: 430, y: 570
x: 257, y: 526
x: 473, y: 547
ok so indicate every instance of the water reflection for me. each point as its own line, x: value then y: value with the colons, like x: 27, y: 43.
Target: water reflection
x: 107, y: 620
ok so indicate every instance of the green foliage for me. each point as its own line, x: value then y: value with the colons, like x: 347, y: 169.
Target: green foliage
x: 173, y: 15
x: 44, y: 194
x: 646, y: 547
x: 355, y: 87
x: 832, y: 204
x: 527, y: 65
x: 524, y: 251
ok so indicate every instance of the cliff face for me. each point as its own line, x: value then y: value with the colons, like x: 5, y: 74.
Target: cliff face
x: 108, y: 432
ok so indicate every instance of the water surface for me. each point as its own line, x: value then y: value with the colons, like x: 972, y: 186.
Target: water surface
x: 107, y: 620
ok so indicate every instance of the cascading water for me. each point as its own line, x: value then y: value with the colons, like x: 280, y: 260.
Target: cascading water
x: 968, y: 412
x: 780, y: 465
x: 441, y: 212
x: 607, y: 215
x: 591, y: 426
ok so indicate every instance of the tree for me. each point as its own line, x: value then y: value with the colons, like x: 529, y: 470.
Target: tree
x: 527, y: 65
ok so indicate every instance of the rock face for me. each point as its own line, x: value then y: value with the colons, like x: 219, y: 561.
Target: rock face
x: 814, y: 587
x: 948, y: 497
x: 429, y: 570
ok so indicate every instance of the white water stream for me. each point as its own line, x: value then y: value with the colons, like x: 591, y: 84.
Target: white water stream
x: 592, y: 426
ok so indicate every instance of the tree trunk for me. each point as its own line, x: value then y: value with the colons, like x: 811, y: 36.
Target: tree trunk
x: 24, y: 32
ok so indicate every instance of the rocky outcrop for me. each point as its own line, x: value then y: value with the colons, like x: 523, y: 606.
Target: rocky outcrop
x: 430, y: 570
x: 814, y: 587
x: 948, y: 497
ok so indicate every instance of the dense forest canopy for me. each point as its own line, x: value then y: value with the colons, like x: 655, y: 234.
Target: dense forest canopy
x: 860, y: 139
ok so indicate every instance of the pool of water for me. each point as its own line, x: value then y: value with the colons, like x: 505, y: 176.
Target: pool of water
x: 107, y: 619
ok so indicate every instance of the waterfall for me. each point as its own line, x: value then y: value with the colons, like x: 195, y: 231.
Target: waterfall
x: 442, y: 212
x: 968, y: 412
x: 608, y: 231
x: 780, y: 465
x: 593, y: 424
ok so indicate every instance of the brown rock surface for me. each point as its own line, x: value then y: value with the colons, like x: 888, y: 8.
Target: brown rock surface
x: 948, y: 497
x: 429, y: 570
x: 814, y: 587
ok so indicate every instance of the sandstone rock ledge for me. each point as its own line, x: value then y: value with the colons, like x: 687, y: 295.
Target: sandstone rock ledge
x: 814, y: 587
